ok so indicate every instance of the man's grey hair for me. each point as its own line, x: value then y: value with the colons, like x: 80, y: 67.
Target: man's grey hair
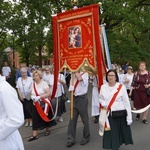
x: 23, y: 69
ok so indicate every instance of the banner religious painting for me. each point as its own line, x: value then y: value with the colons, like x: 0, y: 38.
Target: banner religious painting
x: 74, y: 37
x: 77, y: 40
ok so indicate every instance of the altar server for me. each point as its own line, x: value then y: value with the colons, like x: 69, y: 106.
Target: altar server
x: 11, y: 117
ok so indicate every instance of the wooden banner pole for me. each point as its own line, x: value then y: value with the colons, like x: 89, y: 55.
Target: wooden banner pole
x: 71, y: 104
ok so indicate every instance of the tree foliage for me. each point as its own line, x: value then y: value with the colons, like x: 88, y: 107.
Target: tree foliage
x: 127, y: 27
x: 128, y: 31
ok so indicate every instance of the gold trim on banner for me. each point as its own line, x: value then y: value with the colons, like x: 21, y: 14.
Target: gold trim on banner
x: 85, y: 67
x: 74, y: 17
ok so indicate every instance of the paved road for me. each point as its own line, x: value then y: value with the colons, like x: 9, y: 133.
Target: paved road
x: 57, y: 139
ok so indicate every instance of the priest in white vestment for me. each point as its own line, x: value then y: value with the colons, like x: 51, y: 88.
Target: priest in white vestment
x: 11, y: 117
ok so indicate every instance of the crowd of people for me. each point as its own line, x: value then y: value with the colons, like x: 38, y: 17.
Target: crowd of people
x: 123, y: 90
x: 33, y: 91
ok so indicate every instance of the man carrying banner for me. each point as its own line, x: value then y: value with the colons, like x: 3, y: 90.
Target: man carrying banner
x: 85, y: 53
x: 80, y: 89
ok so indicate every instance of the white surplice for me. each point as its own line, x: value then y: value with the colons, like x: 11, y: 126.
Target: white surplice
x: 95, y: 97
x: 11, y: 118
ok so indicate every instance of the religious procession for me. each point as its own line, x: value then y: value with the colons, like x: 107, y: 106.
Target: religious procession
x: 86, y: 96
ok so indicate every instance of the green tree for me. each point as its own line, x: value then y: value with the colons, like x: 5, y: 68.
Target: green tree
x: 127, y: 27
x: 5, y: 14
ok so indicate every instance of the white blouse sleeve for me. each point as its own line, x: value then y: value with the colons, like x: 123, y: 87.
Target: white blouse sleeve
x: 126, y: 103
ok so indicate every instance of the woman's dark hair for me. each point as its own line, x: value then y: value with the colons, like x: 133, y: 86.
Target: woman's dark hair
x: 115, y: 72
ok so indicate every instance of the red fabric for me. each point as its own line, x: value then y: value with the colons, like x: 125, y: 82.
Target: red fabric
x: 56, y: 57
x: 77, y: 82
x: 98, y: 48
x: 41, y: 112
x: 114, y: 97
x: 112, y: 101
x: 90, y: 51
x: 38, y: 107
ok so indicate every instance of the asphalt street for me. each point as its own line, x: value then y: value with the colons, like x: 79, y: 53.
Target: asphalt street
x: 58, y: 136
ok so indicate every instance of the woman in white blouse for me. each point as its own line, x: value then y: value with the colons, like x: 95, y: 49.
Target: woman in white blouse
x: 24, y: 90
x: 40, y: 93
x: 127, y: 80
x: 128, y: 77
x: 119, y: 132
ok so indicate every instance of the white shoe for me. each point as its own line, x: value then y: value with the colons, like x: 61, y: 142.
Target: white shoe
x: 30, y: 124
x: 68, y: 101
x: 26, y: 124
x: 60, y: 119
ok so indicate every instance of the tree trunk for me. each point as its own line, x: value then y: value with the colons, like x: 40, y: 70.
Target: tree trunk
x: 40, y: 55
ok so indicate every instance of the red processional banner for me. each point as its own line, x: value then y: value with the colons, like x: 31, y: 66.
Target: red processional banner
x: 77, y: 40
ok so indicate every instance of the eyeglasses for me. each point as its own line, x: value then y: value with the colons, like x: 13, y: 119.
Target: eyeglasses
x: 111, y: 75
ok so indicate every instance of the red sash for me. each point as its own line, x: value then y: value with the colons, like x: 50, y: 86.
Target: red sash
x: 38, y: 107
x: 112, y: 101
x: 77, y: 82
x: 114, y: 97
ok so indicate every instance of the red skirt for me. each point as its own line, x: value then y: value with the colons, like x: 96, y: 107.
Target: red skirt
x: 141, y: 99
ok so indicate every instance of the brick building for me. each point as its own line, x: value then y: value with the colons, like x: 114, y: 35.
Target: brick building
x: 14, y: 58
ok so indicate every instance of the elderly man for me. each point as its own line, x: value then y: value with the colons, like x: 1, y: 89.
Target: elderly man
x: 79, y: 89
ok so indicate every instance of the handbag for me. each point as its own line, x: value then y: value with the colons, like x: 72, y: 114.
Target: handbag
x: 28, y: 96
x: 102, y: 119
x: 119, y: 113
x: 148, y: 91
x: 64, y: 97
x: 42, y: 104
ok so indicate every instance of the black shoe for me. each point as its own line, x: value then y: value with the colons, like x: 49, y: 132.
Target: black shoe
x: 69, y: 144
x: 96, y: 120
x: 83, y: 142
x: 145, y: 121
x: 32, y: 138
x: 47, y: 133
x: 137, y: 116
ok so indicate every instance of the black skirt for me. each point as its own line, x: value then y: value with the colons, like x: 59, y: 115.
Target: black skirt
x: 27, y: 108
x: 38, y: 122
x: 119, y: 134
x: 132, y: 94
